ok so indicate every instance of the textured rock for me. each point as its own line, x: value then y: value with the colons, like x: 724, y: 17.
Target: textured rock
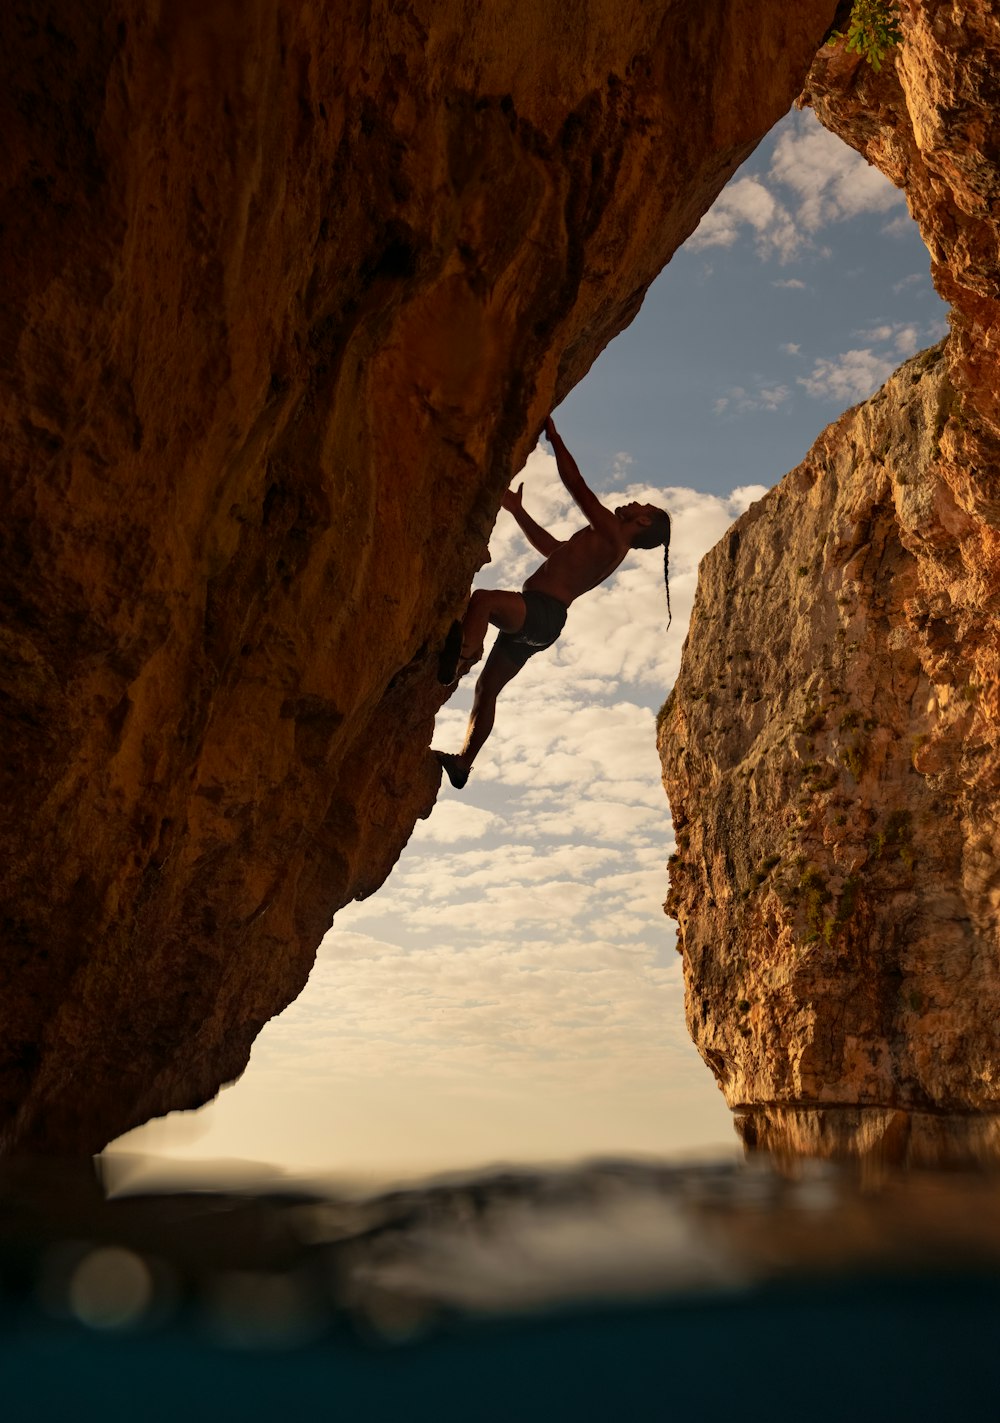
x: 837, y: 883
x: 832, y: 748
x: 287, y: 291
x: 928, y: 121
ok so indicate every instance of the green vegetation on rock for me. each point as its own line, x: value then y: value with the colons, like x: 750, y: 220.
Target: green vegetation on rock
x: 875, y: 26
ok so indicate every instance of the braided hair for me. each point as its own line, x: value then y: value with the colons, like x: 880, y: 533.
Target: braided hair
x: 656, y: 534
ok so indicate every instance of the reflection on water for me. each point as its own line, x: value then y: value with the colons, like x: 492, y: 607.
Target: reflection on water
x: 872, y: 1135
x: 683, y: 1277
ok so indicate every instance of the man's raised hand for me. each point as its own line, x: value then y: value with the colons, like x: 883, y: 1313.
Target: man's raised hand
x: 512, y: 501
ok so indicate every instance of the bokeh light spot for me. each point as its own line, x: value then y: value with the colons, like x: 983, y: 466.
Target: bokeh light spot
x: 111, y: 1288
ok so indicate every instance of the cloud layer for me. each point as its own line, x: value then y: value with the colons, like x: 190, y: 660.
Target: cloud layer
x: 814, y: 180
x: 513, y: 990
x: 516, y: 980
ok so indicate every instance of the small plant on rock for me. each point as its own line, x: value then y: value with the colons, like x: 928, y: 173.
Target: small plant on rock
x: 875, y: 26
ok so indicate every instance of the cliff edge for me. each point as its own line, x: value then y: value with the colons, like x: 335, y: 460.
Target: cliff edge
x: 832, y: 748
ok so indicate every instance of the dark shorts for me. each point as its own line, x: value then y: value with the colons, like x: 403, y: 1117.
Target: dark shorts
x: 544, y: 620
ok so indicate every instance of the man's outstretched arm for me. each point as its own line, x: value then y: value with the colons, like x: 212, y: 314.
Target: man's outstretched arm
x: 534, y: 533
x: 597, y: 516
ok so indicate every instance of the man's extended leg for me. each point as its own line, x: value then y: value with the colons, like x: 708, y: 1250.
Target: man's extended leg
x: 499, y: 669
x: 464, y: 645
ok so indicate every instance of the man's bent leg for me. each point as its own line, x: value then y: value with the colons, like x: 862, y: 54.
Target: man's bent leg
x: 499, y: 670
x: 464, y: 644
x: 506, y: 611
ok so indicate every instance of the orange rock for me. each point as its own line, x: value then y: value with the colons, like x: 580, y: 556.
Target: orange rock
x: 287, y: 291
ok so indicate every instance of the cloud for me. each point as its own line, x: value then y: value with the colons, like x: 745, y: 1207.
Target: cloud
x: 560, y: 1014
x: 790, y: 284
x: 790, y: 348
x: 907, y: 340
x: 851, y: 376
x: 914, y: 279
x: 769, y: 397
x: 856, y: 374
x: 620, y: 464
x: 738, y: 400
x: 813, y: 180
x: 898, y: 226
x: 831, y: 182
x: 459, y: 822
x: 517, y: 966
x: 747, y: 494
x: 746, y: 202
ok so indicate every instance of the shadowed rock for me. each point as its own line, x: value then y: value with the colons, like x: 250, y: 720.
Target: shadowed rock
x: 287, y: 294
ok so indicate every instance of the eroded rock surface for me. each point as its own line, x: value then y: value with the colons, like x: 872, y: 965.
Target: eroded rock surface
x: 832, y: 748
x: 287, y: 292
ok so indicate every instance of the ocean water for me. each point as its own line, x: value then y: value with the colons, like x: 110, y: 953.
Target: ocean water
x: 615, y: 1290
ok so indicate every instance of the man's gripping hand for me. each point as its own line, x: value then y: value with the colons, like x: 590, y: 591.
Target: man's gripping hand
x: 512, y: 500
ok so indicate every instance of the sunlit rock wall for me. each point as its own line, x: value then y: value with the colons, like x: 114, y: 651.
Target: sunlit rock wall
x: 287, y: 290
x: 832, y: 747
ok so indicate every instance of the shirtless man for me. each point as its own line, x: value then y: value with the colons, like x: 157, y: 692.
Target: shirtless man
x: 533, y: 619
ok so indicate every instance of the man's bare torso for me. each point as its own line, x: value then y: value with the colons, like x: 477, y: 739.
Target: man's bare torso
x: 577, y: 565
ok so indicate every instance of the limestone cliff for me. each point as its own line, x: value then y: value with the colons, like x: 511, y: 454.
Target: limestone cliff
x: 287, y: 292
x: 832, y: 748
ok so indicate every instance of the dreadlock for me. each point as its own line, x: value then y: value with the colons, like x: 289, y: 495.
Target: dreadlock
x: 656, y: 534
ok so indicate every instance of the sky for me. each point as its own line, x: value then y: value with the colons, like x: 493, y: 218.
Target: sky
x: 513, y: 994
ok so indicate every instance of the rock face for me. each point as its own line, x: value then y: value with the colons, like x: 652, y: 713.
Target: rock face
x: 832, y: 748
x: 287, y: 292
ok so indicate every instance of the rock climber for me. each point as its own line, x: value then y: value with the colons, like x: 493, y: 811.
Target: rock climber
x: 533, y: 619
